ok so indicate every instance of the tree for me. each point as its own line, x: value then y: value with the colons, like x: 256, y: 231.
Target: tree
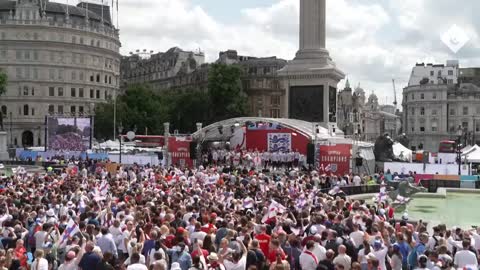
x: 227, y: 98
x: 187, y: 109
x: 139, y: 109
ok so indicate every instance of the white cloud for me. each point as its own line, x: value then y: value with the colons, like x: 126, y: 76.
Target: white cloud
x: 371, y: 41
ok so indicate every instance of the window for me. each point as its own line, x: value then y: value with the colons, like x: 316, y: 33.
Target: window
x: 51, y: 74
x: 4, y: 110
x: 60, y: 74
x: 465, y: 125
x: 92, y: 78
x: 35, y: 36
x: 413, y: 96
x: 432, y: 73
x: 27, y: 55
x: 35, y: 55
x: 434, y: 112
x: 35, y: 73
x: 80, y: 109
x: 275, y: 113
x: 98, y: 93
x: 106, y: 79
x: 80, y: 76
x: 98, y: 78
x: 33, y: 91
x: 25, y: 90
x: 106, y: 94
x: 74, y: 39
x: 92, y: 93
x: 92, y: 42
x: 439, y: 73
x: 450, y: 81
x: 422, y: 129
x: 73, y: 92
x: 434, y: 95
x: 110, y: 80
x: 465, y: 110
x: 422, y: 96
x: 18, y: 55
x: 74, y: 58
x: 51, y: 109
x: 275, y: 100
x: 450, y: 72
x: 80, y: 92
x: 33, y: 111
x: 60, y: 91
x: 74, y: 76
x: 52, y: 56
x: 452, y: 111
x: 72, y: 109
x: 25, y: 109
x: 60, y: 109
x: 19, y: 73
x: 422, y: 111
x: 3, y: 54
x: 51, y: 91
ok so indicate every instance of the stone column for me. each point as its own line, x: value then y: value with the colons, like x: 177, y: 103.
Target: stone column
x: 312, y: 24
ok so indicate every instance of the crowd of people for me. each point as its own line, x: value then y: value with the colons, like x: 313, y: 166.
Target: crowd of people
x: 257, y: 159
x: 220, y: 217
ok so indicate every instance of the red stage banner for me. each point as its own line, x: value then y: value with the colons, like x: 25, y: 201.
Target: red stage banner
x: 179, y: 149
x: 335, y: 159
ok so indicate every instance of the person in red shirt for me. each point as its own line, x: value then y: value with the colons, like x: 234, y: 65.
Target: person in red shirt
x: 197, y: 248
x: 263, y: 240
x: 274, y: 250
x: 21, y: 253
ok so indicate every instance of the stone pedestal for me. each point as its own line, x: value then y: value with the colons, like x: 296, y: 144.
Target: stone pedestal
x: 311, y: 78
x: 3, y: 146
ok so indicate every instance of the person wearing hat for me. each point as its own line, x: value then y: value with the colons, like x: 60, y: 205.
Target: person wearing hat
x: 380, y: 252
x: 213, y: 262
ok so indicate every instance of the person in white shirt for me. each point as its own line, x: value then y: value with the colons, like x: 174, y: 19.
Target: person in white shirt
x: 135, y: 263
x: 308, y: 260
x: 39, y: 263
x: 238, y: 260
x: 342, y: 258
x: 357, y: 181
x: 380, y: 252
x: 465, y: 257
x: 357, y: 236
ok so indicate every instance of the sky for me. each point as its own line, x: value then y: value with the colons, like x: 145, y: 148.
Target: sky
x: 372, y: 41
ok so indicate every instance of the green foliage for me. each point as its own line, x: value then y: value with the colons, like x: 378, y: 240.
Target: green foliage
x: 140, y: 108
x: 225, y: 91
x: 3, y: 82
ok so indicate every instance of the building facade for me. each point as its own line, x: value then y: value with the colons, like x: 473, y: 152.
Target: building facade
x: 443, y: 111
x: 349, y: 109
x: 161, y: 70
x: 60, y: 60
x: 178, y: 70
x: 379, y: 119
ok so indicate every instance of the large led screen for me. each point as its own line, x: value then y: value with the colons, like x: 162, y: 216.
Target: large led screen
x: 69, y: 134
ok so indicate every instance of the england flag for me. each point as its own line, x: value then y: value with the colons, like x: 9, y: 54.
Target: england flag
x: 70, y: 230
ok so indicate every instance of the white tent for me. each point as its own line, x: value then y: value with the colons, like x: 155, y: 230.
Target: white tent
x: 472, y: 155
x: 401, y: 152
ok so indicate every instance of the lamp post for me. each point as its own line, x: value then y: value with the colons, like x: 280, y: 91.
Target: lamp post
x: 459, y: 149
x: 11, y: 124
x: 120, y: 130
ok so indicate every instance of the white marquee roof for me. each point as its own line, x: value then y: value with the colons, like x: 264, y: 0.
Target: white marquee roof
x: 305, y: 128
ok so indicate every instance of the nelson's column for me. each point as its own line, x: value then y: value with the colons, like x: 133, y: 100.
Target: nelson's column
x: 311, y: 78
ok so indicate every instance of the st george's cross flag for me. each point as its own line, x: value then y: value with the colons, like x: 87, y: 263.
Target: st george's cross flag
x: 273, y: 209
x: 70, y: 231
